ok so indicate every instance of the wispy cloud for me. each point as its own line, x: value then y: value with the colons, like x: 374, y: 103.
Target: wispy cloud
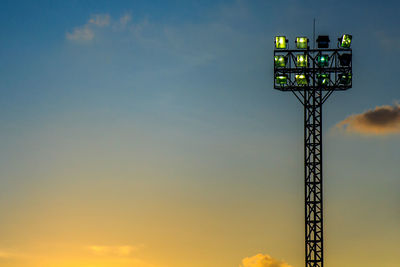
x: 121, y: 251
x: 125, y: 19
x: 100, y: 20
x: 122, y: 23
x: 86, y: 32
x: 6, y: 255
x: 388, y: 41
x: 263, y: 260
x: 382, y: 120
x: 11, y: 254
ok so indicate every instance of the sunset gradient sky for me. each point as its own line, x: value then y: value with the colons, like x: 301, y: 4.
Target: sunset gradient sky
x: 148, y: 134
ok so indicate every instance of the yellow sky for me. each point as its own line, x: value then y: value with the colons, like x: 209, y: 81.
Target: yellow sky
x: 105, y: 204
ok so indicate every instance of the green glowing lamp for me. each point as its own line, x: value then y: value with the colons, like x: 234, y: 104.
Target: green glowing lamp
x: 302, y: 61
x: 280, y: 61
x: 323, y: 60
x: 345, y: 41
x: 301, y: 79
x: 302, y: 42
x: 280, y: 42
x: 345, y: 78
x: 281, y: 79
x: 323, y: 79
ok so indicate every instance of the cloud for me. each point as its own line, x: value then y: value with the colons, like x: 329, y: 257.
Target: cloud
x: 125, y: 19
x: 122, y: 23
x: 6, y: 254
x: 100, y: 20
x: 121, y: 251
x: 261, y: 260
x: 388, y: 41
x: 86, y: 32
x: 179, y: 48
x: 382, y: 120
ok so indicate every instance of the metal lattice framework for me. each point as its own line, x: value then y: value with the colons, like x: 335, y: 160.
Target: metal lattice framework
x: 312, y: 93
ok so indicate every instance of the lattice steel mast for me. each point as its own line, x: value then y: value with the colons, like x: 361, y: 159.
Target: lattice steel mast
x: 313, y: 177
x: 312, y: 75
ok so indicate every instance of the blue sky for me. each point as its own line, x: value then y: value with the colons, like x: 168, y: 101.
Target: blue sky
x: 34, y: 35
x: 170, y: 104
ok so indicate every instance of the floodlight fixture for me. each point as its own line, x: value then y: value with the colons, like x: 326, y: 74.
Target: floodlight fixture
x: 281, y: 42
x: 323, y: 41
x: 301, y: 79
x: 322, y: 79
x: 345, y: 41
x: 302, y: 42
x: 323, y: 60
x: 280, y: 61
x: 302, y: 61
x: 345, y: 59
x: 345, y: 78
x: 281, y: 79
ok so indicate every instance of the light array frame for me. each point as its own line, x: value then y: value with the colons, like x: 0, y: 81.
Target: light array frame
x: 312, y: 68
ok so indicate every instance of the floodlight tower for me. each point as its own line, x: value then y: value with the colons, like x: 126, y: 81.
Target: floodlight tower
x: 312, y: 75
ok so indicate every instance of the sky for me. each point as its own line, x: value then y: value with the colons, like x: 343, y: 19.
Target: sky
x: 148, y: 134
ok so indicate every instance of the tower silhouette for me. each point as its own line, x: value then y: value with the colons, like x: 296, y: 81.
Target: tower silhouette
x: 312, y: 75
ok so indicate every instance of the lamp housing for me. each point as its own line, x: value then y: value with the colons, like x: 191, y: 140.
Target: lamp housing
x: 302, y: 42
x: 323, y: 60
x: 280, y: 61
x: 281, y: 79
x: 345, y: 78
x: 323, y: 41
x: 302, y: 61
x: 281, y: 42
x: 322, y: 79
x: 345, y: 59
x: 301, y: 79
x: 345, y: 41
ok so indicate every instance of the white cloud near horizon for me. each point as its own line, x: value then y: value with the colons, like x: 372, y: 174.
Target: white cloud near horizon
x: 9, y: 254
x: 5, y: 255
x: 120, y: 251
x: 263, y: 260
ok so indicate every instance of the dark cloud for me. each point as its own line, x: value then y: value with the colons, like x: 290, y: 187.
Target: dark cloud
x: 382, y: 120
